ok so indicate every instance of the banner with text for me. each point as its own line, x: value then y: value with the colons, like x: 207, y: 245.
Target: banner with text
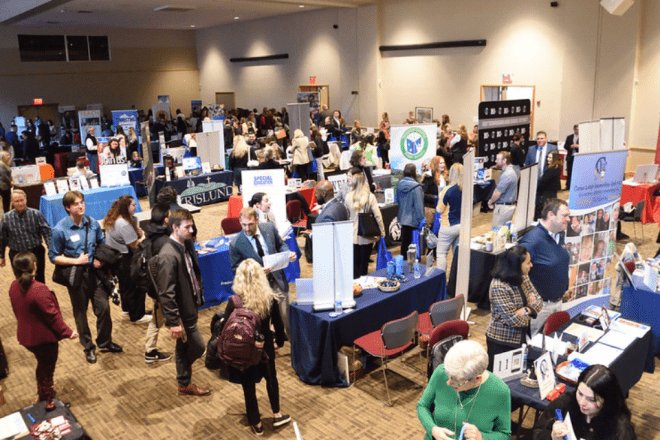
x: 498, y: 122
x: 126, y: 119
x: 270, y: 182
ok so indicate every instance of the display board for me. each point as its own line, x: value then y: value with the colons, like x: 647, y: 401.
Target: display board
x: 149, y: 176
x: 114, y: 175
x: 605, y: 134
x: 498, y: 122
x: 463, y: 279
x: 411, y: 144
x: 298, y: 117
x: 270, y: 182
x: 87, y: 118
x: 333, y: 264
x: 211, y: 147
x: 126, y: 119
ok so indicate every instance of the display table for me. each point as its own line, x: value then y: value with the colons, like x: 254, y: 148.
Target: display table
x: 643, y: 306
x: 628, y: 367
x: 636, y: 193
x: 97, y: 203
x: 136, y: 177
x: 218, y: 276
x: 236, y: 202
x: 201, y: 190
x: 316, y: 338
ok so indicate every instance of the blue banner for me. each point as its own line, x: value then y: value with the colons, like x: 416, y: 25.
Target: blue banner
x: 597, y: 179
x: 126, y: 119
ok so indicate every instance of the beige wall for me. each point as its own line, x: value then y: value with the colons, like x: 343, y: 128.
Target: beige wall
x: 144, y: 64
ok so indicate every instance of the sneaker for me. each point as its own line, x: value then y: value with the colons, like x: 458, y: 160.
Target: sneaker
x: 281, y: 420
x: 125, y: 315
x: 193, y: 390
x: 258, y: 430
x: 146, y: 319
x: 156, y: 356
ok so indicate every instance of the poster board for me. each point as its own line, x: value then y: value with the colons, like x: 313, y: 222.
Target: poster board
x: 606, y: 134
x: 498, y: 122
x: 114, y: 175
x: 148, y: 175
x: 211, y: 147
x: 26, y: 174
x: 298, y: 117
x: 161, y: 110
x: 411, y: 144
x: 108, y: 155
x: 591, y: 235
x: 87, y: 118
x: 270, y: 182
x: 333, y: 264
x: 126, y: 119
x: 213, y: 125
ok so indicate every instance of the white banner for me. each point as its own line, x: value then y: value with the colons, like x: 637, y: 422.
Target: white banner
x: 114, y: 175
x: 412, y: 144
x: 270, y: 182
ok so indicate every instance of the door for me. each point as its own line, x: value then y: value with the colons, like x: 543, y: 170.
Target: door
x: 225, y: 99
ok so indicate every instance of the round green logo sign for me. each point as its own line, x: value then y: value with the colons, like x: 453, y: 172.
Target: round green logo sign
x: 414, y: 143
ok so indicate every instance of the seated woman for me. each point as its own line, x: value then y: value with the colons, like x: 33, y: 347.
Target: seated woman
x: 514, y: 301
x: 453, y: 398
x: 597, y: 408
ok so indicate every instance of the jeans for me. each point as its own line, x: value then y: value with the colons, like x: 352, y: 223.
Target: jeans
x: 93, y: 158
x: 447, y: 237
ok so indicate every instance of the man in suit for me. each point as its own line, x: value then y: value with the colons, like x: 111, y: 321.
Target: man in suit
x: 181, y: 294
x: 572, y: 147
x: 539, y: 153
x: 256, y: 241
x: 333, y: 209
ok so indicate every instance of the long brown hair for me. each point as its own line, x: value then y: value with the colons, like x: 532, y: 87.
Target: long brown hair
x: 556, y: 160
x: 120, y: 209
x: 23, y: 267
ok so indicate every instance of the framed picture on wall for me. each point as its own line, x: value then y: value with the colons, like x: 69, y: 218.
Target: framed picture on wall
x: 424, y: 114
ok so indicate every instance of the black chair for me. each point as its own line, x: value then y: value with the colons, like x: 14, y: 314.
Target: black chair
x: 635, y: 216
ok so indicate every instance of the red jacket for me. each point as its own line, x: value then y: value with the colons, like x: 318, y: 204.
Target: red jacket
x: 38, y: 314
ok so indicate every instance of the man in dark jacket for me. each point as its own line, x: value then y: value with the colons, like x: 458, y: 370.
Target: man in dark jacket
x: 333, y: 209
x: 180, y: 293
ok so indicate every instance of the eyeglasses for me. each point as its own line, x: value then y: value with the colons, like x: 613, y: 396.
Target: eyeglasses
x: 455, y: 383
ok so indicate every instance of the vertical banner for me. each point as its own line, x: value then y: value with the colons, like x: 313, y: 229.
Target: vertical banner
x: 270, y: 182
x: 411, y: 144
x: 126, y: 119
x: 87, y: 118
x: 148, y: 176
x: 498, y: 122
x: 591, y: 234
x: 195, y: 105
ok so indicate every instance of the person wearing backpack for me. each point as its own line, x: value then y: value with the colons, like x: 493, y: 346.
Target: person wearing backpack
x: 253, y: 288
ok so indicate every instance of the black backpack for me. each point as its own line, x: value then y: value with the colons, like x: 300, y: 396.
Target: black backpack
x: 211, y: 360
x: 140, y: 270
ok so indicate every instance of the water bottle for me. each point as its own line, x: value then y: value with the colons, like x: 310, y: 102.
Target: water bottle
x: 514, y: 234
x: 418, y: 269
x: 391, y: 269
x: 338, y: 308
x: 412, y: 255
x: 524, y: 347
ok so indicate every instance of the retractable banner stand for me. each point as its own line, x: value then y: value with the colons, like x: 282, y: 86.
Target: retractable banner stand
x: 211, y: 147
x: 87, y: 118
x: 498, y: 122
x: 126, y: 119
x: 591, y: 234
x: 411, y: 144
x: 463, y: 267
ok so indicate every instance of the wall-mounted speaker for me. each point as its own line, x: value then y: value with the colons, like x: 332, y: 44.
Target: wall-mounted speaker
x: 617, y: 7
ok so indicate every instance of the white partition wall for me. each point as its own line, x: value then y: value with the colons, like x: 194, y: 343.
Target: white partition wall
x: 333, y: 264
x: 463, y: 266
x: 298, y: 117
x: 211, y: 147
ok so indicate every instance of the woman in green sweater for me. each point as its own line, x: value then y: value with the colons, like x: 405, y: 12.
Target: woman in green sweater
x: 461, y: 393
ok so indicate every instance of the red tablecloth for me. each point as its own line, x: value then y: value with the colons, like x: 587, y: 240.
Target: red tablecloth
x: 637, y: 193
x: 236, y: 202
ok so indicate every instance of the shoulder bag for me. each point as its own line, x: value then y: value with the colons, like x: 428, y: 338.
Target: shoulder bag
x: 71, y: 276
x: 367, y: 225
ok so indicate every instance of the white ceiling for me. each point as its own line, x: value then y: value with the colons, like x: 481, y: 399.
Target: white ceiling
x: 141, y: 13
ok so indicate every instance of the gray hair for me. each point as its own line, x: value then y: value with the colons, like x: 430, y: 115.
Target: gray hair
x: 466, y: 360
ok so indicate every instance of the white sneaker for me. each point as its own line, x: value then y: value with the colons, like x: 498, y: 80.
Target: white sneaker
x: 144, y: 320
x: 125, y: 315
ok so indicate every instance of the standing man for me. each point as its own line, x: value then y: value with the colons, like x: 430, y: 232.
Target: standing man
x: 539, y: 153
x: 181, y: 294
x: 505, y: 195
x: 23, y: 229
x: 92, y: 146
x: 73, y: 242
x: 572, y: 147
x: 256, y: 241
x: 333, y: 210
x: 549, y: 272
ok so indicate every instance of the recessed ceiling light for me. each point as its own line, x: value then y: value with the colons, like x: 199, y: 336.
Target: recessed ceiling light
x: 236, y: 18
x: 192, y: 25
x: 302, y: 6
x: 63, y: 11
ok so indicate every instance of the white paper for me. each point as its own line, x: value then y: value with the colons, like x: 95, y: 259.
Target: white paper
x: 508, y: 364
x: 84, y: 184
x: 50, y: 188
x: 601, y: 354
x: 74, y: 184
x: 206, y: 167
x: 577, y: 330
x: 277, y: 261
x: 617, y: 339
x: 305, y: 291
x: 545, y: 374
x: 40, y: 160
x: 62, y: 186
x: 389, y: 195
x: 94, y: 183
x: 569, y: 425
x: 13, y: 426
x: 342, y: 366
x: 630, y: 327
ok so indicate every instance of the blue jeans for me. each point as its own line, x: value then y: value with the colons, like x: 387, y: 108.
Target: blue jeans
x: 93, y: 159
x: 447, y: 237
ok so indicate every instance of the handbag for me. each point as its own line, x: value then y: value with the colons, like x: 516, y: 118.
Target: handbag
x: 367, y: 225
x: 280, y: 134
x: 310, y: 154
x: 107, y: 254
x: 71, y: 276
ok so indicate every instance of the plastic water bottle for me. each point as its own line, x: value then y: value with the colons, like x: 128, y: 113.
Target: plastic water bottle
x: 418, y: 269
x: 514, y: 234
x: 524, y: 347
x: 338, y: 308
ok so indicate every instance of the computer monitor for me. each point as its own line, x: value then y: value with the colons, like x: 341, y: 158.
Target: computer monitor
x: 192, y: 163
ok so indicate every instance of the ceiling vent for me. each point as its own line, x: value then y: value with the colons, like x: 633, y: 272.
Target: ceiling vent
x: 85, y: 12
x: 175, y: 8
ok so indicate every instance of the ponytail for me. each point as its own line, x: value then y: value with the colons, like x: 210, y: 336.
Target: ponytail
x: 23, y: 266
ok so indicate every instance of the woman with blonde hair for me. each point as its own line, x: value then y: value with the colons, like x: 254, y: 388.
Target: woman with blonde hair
x: 361, y: 200
x: 132, y: 142
x: 253, y: 289
x: 299, y: 147
x: 238, y: 159
x: 6, y: 181
x: 449, y: 203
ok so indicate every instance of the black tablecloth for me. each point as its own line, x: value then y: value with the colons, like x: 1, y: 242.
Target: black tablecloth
x: 201, y: 190
x: 481, y: 266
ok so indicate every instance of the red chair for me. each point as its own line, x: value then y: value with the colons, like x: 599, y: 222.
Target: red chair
x: 443, y: 334
x: 439, y: 312
x: 231, y: 225
x: 392, y: 339
x: 296, y: 216
x: 555, y: 321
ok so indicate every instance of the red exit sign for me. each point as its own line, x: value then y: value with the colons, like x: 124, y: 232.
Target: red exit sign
x: 37, y: 101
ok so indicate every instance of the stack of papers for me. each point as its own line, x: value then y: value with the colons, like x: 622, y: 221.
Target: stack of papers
x: 13, y: 426
x: 577, y: 330
x: 617, y: 339
x: 630, y: 327
x: 601, y: 354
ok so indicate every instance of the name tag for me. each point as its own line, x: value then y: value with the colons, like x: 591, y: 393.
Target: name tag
x: 74, y: 238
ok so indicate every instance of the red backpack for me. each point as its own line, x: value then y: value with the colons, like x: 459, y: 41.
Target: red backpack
x: 240, y: 344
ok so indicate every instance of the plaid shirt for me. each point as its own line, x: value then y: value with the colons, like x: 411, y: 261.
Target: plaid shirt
x: 22, y: 232
x: 506, y: 326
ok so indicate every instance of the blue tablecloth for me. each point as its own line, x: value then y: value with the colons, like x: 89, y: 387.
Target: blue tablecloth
x: 316, y: 338
x: 643, y: 306
x: 201, y: 190
x: 218, y: 277
x: 136, y: 176
x: 97, y: 203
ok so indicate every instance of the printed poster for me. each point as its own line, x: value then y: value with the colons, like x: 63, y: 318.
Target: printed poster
x: 498, y: 122
x: 87, y: 118
x: 270, y: 182
x: 411, y: 144
x: 126, y: 119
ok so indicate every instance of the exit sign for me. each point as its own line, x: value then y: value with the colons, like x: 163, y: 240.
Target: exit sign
x: 37, y: 101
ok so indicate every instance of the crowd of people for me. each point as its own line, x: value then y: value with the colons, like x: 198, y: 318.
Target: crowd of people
x: 529, y: 279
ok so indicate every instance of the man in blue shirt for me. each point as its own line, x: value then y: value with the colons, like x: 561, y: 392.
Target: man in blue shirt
x: 549, y: 272
x: 73, y: 242
x: 506, y: 192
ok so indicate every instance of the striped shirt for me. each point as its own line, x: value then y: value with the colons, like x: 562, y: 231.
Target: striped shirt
x: 506, y: 326
x: 22, y: 232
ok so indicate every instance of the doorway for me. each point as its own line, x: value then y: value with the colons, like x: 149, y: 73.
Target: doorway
x: 226, y: 99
